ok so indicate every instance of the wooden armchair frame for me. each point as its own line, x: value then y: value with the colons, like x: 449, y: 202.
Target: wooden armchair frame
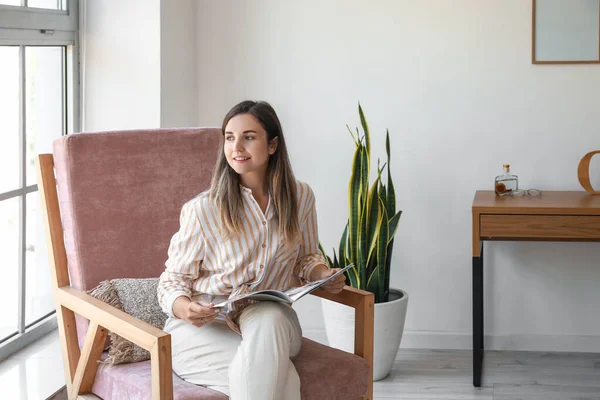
x: 81, y: 364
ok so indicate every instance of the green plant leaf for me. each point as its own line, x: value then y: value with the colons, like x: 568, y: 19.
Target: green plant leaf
x: 386, y: 284
x: 325, y: 255
x: 363, y: 250
x: 394, y: 221
x: 355, y: 138
x: 335, y: 260
x: 365, y: 126
x: 382, y: 244
x: 364, y: 175
x: 330, y: 263
x: 362, y: 222
x: 342, y: 248
x: 353, y: 204
x: 374, y: 285
x: 352, y: 275
x: 391, y: 195
x: 394, y: 226
x: 374, y: 219
x: 361, y: 262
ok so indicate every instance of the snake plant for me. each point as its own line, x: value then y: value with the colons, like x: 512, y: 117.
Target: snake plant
x: 368, y: 238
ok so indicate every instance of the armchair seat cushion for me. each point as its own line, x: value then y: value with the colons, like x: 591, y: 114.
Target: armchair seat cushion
x: 333, y: 375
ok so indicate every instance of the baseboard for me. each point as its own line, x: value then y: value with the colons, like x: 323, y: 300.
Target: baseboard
x: 514, y: 342
x: 464, y: 341
x: 436, y: 340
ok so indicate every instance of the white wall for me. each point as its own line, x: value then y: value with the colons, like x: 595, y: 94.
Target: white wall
x: 179, y: 72
x: 139, y: 64
x: 454, y: 83
x: 121, y: 62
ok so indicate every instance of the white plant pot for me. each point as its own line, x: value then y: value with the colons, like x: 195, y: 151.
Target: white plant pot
x: 388, y: 329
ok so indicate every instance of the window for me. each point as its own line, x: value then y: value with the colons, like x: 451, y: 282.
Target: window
x: 39, y: 102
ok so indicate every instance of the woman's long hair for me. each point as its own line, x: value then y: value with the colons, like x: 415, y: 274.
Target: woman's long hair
x: 225, y: 185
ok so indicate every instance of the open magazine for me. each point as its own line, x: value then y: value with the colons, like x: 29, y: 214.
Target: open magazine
x: 286, y: 296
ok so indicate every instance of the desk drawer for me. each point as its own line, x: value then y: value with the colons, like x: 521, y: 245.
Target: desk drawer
x: 576, y: 227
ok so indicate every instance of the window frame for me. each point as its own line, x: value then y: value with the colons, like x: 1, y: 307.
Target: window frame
x: 23, y: 17
x: 28, y: 26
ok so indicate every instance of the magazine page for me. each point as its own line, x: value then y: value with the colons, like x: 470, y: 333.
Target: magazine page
x: 261, y: 295
x: 288, y: 296
x: 301, y: 291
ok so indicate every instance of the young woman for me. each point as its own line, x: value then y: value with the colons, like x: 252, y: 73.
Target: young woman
x: 255, y: 228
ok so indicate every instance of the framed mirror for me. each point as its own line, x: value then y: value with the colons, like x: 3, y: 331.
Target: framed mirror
x: 566, y: 32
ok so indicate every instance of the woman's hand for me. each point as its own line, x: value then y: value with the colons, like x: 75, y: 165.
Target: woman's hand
x: 336, y: 285
x: 197, y: 313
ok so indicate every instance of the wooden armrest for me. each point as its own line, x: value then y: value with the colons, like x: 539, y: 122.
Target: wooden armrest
x: 109, y: 317
x: 363, y: 303
x: 348, y: 296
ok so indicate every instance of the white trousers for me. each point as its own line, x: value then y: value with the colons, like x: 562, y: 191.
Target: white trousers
x: 254, y: 366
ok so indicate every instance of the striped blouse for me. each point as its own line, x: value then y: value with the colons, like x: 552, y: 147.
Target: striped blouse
x: 201, y: 261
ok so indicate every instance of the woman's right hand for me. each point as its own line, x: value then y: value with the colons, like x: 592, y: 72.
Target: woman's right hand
x: 197, y: 313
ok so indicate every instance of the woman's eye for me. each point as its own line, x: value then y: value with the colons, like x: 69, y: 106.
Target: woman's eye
x: 249, y: 137
x: 228, y: 137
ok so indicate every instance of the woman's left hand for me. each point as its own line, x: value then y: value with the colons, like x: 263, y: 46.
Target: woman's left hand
x: 336, y: 285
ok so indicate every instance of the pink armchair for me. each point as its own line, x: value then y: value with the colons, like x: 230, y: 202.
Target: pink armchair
x: 117, y: 206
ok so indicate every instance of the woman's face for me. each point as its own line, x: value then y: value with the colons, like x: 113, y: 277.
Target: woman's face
x: 246, y: 147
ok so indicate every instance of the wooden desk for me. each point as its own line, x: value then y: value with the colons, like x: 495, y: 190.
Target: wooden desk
x: 553, y: 216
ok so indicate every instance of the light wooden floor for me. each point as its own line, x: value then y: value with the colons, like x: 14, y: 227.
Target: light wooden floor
x: 508, y: 375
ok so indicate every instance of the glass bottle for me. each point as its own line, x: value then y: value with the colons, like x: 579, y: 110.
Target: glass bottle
x: 506, y: 184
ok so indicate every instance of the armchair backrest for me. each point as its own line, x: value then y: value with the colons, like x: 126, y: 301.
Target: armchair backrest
x: 120, y: 195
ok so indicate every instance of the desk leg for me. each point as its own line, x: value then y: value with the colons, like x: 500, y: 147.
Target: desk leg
x: 478, y: 318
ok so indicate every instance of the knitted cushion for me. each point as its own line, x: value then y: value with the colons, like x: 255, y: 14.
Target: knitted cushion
x: 136, y: 297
